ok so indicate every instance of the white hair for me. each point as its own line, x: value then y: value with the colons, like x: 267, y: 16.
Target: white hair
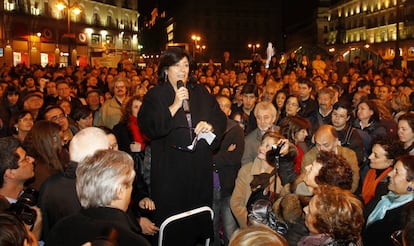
x: 100, y: 177
x: 86, y: 142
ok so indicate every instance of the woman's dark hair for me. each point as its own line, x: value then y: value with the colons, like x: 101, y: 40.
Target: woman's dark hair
x: 277, y: 93
x: 81, y: 113
x: 391, y: 145
x: 335, y: 170
x: 43, y: 142
x: 12, y: 230
x: 372, y: 106
x: 127, y: 109
x: 170, y: 57
x: 15, y: 118
x: 10, y: 90
x: 290, y: 125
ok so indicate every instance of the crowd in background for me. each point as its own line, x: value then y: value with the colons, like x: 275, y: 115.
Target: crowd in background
x: 347, y: 131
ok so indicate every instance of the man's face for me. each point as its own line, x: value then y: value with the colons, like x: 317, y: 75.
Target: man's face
x: 29, y: 82
x: 225, y: 105
x: 325, y: 102
x: 63, y: 90
x: 58, y: 116
x: 120, y: 89
x: 326, y: 142
x: 339, y: 118
x: 304, y: 91
x: 384, y: 94
x: 25, y: 170
x: 51, y: 88
x: 33, y: 103
x: 264, y: 119
x: 249, y: 100
x: 93, y: 99
x: 269, y: 93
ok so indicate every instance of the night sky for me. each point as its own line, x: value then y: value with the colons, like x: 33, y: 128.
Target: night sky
x: 293, y: 14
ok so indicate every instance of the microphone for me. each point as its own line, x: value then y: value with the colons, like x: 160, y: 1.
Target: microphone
x: 186, y: 104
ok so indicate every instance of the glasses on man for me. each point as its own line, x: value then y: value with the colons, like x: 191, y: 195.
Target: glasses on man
x: 57, y: 117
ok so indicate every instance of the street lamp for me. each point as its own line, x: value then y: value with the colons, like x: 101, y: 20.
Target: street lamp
x: 253, y: 47
x: 196, y: 39
x: 76, y: 10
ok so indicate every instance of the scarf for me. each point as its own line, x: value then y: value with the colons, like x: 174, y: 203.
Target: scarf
x: 371, y: 182
x: 136, y: 133
x: 388, y: 202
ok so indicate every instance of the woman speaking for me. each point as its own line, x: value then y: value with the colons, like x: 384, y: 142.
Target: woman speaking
x: 175, y: 115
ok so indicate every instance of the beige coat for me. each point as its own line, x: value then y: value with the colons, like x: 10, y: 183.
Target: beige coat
x: 242, y: 191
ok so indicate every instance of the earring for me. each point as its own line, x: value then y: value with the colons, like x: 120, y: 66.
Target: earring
x: 409, y: 188
x: 166, y: 77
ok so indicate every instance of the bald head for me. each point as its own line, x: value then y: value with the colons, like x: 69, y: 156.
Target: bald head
x: 86, y: 142
x: 326, y: 138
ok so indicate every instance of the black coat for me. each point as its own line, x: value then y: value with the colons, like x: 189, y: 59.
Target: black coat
x: 180, y: 180
x: 58, y: 198
x: 91, y: 224
x: 228, y: 163
x: 379, y: 232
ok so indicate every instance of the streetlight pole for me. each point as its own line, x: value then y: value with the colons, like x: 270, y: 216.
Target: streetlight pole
x: 397, y: 55
x: 196, y: 39
x: 253, y: 47
x: 69, y: 36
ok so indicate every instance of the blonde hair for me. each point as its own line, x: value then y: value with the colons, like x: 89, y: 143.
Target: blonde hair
x: 257, y: 235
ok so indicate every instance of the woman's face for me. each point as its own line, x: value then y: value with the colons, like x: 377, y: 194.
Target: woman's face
x: 25, y: 124
x: 310, y: 215
x: 292, y: 106
x: 13, y: 98
x: 378, y: 158
x: 364, y: 112
x: 178, y: 71
x: 301, y: 135
x: 405, y: 133
x: 311, y: 172
x: 264, y: 147
x: 85, y: 122
x: 136, y: 105
x: 280, y: 100
x: 398, y: 179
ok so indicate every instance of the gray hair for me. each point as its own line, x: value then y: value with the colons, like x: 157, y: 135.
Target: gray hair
x: 265, y: 106
x: 86, y: 142
x: 101, y: 176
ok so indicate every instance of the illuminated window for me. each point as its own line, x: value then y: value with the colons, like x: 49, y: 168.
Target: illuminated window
x: 9, y: 5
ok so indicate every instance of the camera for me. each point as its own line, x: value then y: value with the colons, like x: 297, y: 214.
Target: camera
x: 272, y: 156
x: 22, y: 208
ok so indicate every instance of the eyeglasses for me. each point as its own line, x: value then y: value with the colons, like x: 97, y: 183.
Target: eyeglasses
x: 57, y: 117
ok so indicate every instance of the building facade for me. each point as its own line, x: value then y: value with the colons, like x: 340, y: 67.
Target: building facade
x: 85, y: 32
x: 382, y: 26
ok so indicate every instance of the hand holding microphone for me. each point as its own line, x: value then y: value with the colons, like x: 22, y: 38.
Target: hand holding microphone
x: 183, y: 96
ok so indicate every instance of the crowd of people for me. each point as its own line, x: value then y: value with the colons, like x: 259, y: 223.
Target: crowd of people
x: 309, y: 152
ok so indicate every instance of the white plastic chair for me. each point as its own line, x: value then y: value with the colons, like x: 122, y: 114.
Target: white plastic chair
x: 181, y: 216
